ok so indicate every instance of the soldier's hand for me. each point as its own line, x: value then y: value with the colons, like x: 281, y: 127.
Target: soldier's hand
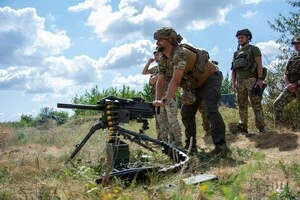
x: 291, y: 87
x: 260, y: 83
x: 234, y: 86
x: 151, y: 60
x: 158, y: 103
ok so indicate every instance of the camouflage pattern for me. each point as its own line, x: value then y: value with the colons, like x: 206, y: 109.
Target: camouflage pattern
x: 169, y: 128
x: 243, y: 61
x: 205, y: 121
x: 293, y: 68
x: 293, y: 74
x: 244, y: 87
x: 202, y: 57
x: 282, y: 100
x: 208, y: 92
x: 187, y: 97
x: 165, y: 33
x: 153, y: 71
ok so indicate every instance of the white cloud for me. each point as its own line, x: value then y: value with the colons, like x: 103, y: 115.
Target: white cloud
x: 127, y: 55
x: 252, y: 1
x: 214, y: 51
x: 134, y: 19
x: 249, y: 14
x: 269, y: 49
x: 24, y: 41
x: 137, y: 81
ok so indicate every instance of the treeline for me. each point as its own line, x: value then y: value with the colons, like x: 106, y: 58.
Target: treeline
x: 91, y: 97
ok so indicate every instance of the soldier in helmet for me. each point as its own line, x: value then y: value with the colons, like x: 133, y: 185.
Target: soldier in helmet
x: 247, y: 73
x: 292, y: 81
x: 182, y: 66
x: 167, y: 124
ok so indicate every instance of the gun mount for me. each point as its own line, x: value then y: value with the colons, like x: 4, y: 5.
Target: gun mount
x: 115, y: 111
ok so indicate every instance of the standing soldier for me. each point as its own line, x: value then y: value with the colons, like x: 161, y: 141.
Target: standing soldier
x: 167, y: 124
x: 292, y: 81
x: 187, y: 67
x: 247, y: 73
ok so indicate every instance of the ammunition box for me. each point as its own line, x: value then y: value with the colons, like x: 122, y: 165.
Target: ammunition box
x: 118, y: 154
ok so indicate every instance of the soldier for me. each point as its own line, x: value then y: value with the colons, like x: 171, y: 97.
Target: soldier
x: 292, y: 81
x: 247, y: 74
x: 167, y: 124
x: 189, y: 68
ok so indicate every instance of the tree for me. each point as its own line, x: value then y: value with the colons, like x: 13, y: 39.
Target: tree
x: 288, y: 26
x: 226, y: 87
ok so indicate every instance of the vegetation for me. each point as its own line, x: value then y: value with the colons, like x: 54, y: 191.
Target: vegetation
x: 33, y: 165
x: 288, y: 27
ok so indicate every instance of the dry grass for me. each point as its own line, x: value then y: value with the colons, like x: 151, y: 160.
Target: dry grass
x: 32, y: 165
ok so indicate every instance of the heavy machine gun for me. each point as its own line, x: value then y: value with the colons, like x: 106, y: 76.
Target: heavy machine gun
x: 116, y: 111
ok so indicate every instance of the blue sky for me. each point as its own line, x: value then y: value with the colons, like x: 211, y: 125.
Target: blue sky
x: 51, y: 50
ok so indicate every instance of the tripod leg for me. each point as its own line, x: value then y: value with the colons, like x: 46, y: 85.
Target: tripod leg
x: 94, y: 128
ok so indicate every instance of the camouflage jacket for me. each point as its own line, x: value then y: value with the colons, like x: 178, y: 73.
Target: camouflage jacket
x: 184, y: 59
x: 293, y: 68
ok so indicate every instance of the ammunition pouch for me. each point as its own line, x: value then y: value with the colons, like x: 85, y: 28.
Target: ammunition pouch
x: 264, y: 72
x: 187, y: 97
x: 241, y: 62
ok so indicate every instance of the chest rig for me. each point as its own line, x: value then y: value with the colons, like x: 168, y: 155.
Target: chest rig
x: 293, y: 68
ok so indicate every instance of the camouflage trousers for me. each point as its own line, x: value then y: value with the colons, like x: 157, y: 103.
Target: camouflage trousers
x: 282, y: 100
x: 205, y: 121
x: 169, y: 128
x: 244, y: 87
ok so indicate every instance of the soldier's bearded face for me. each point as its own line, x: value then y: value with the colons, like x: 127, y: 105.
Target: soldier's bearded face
x: 160, y: 49
x: 161, y: 44
x: 242, y: 39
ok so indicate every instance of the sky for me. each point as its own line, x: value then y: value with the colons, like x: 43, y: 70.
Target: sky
x: 53, y: 50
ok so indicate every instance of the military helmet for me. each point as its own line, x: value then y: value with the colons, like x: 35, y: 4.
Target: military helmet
x: 296, y: 40
x: 165, y: 33
x: 244, y: 32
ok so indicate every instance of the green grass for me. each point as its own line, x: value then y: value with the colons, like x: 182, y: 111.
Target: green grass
x: 32, y: 166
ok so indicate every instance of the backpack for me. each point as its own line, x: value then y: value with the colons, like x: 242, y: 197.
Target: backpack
x: 202, y: 57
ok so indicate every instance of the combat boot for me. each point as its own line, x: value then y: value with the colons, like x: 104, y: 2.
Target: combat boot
x: 261, y: 129
x: 221, y: 150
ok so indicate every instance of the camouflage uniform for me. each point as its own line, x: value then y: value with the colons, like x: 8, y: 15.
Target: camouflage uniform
x: 205, y: 121
x: 293, y: 74
x: 246, y: 79
x: 205, y: 85
x: 154, y: 71
x: 167, y: 125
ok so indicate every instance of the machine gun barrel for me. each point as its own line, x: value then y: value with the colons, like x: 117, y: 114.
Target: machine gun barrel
x: 80, y: 106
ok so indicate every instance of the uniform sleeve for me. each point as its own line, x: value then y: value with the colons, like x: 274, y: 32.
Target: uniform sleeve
x: 180, y: 60
x: 256, y: 51
x: 161, y: 66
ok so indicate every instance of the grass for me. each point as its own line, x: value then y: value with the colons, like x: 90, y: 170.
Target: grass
x: 32, y: 165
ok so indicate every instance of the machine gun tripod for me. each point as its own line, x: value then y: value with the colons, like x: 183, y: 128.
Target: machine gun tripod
x: 116, y: 111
